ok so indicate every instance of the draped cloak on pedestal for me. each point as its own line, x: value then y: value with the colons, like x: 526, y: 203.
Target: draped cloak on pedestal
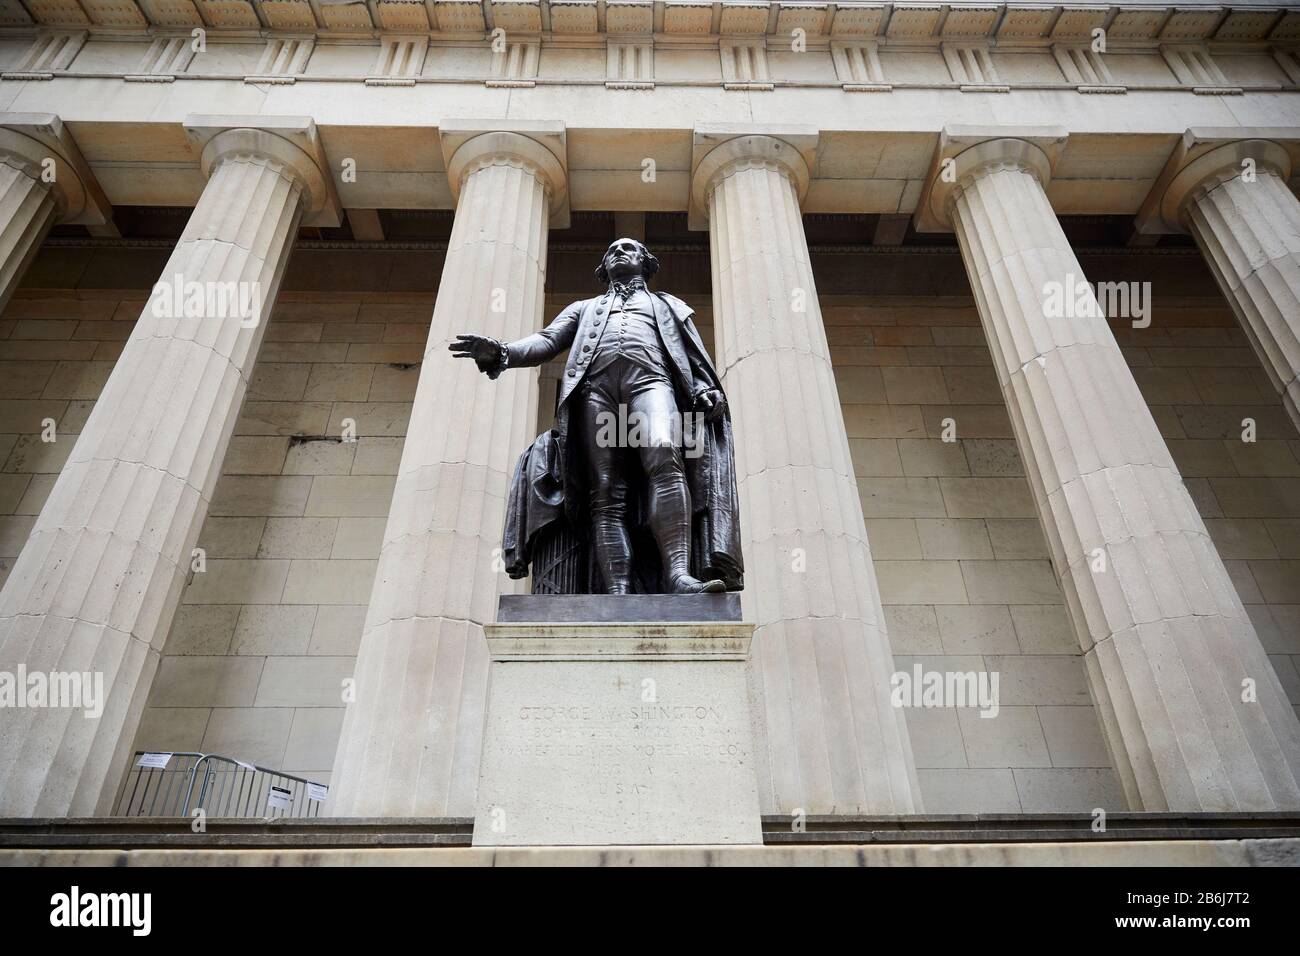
x: 547, y: 523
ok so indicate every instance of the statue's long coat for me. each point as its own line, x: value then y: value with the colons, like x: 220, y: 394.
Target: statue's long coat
x: 554, y: 463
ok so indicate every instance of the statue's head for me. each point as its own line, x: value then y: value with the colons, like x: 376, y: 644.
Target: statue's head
x: 624, y: 259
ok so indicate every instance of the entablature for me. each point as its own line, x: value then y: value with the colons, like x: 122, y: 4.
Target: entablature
x: 1189, y: 20
x: 968, y: 58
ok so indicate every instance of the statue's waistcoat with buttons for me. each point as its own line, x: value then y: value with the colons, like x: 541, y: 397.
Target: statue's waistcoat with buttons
x: 582, y: 327
x: 630, y: 333
x: 711, y: 477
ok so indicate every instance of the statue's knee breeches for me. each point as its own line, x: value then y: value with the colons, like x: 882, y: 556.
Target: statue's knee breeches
x: 606, y: 487
x: 651, y: 400
x: 627, y: 409
x: 661, y: 461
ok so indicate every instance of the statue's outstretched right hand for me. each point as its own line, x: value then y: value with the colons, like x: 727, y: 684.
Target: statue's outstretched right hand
x: 488, y: 354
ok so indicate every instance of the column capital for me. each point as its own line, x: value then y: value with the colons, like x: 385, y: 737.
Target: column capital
x: 291, y: 140
x: 1205, y: 157
x: 716, y: 151
x: 29, y: 140
x: 964, y: 151
x: 542, y: 147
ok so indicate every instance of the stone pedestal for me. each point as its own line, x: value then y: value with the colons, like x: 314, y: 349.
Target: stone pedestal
x: 618, y: 734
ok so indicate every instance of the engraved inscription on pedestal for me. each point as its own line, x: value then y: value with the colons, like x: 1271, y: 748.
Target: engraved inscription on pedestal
x: 654, y: 747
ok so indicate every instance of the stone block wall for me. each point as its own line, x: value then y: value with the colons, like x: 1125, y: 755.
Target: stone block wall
x: 962, y: 564
x: 267, y: 634
x: 961, y: 560
x: 268, y: 631
x: 1205, y: 388
x: 56, y: 352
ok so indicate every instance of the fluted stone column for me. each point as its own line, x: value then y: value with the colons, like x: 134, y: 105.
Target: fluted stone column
x: 1170, y: 652
x: 97, y: 584
x: 43, y: 180
x: 821, y: 658
x: 411, y: 739
x: 1247, y: 223
x: 27, y: 211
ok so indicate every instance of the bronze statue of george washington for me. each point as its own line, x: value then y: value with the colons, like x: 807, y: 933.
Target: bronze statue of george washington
x: 634, y: 490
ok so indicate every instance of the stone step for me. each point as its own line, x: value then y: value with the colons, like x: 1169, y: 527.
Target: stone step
x: 436, y: 833
x: 1146, y: 853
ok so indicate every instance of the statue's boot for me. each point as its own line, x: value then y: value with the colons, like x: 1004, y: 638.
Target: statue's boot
x: 613, y: 553
x: 670, y: 520
x: 686, y: 584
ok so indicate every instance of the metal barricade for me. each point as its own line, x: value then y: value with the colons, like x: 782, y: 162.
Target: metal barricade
x: 159, y: 791
x: 221, y: 786
x: 229, y: 788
